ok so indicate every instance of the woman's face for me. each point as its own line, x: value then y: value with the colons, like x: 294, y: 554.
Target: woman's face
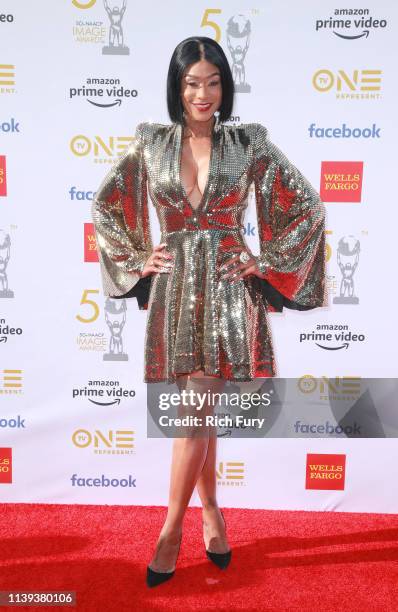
x: 201, y: 90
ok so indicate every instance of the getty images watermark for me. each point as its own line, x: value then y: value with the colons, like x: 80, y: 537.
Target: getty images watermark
x: 191, y: 412
x: 306, y: 407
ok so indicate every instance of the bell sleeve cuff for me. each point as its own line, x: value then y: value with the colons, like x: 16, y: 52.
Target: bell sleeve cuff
x: 291, y: 226
x: 121, y: 222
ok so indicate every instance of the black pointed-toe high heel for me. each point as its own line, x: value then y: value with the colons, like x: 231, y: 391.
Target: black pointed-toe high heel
x: 155, y: 578
x: 222, y: 560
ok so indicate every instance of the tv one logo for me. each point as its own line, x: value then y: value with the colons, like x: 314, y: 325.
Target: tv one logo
x: 104, y: 149
x: 230, y: 473
x: 343, y: 384
x: 359, y: 83
x: 325, y: 472
x: 7, y: 78
x: 119, y: 441
x: 10, y: 382
x: 339, y: 387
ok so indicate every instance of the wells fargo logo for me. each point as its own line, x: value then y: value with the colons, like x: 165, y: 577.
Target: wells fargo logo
x: 3, y: 176
x: 5, y: 465
x: 326, y: 472
x: 230, y: 473
x: 113, y: 442
x: 341, y: 181
x: 355, y: 84
x: 104, y: 151
x: 90, y: 246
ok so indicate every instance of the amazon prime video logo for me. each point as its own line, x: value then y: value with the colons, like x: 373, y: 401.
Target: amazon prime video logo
x: 107, y: 393
x: 334, y: 337
x: 350, y: 23
x: 102, y: 92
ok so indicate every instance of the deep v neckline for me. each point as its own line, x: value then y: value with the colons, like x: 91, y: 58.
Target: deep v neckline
x: 209, y: 172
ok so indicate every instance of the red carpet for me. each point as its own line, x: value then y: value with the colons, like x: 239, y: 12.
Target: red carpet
x: 321, y: 561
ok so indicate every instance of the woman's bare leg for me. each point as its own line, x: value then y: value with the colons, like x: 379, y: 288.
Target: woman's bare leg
x: 215, y: 536
x: 188, y: 458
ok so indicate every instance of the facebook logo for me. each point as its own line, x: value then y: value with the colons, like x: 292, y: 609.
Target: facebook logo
x: 249, y: 229
x: 343, y: 132
x: 80, y: 194
x: 9, y: 126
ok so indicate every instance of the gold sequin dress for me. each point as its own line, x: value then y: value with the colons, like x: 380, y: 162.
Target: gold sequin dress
x: 195, y: 319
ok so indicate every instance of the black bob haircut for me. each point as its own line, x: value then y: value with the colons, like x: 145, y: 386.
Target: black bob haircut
x: 189, y: 51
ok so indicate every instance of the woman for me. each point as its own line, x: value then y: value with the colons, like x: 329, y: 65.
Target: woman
x: 207, y: 295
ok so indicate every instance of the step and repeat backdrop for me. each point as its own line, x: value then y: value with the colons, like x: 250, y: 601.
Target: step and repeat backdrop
x: 76, y: 77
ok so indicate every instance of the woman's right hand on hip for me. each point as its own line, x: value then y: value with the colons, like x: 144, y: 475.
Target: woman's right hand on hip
x: 160, y: 260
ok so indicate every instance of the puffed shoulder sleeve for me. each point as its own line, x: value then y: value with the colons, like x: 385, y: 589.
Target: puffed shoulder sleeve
x: 121, y: 222
x: 291, y: 225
